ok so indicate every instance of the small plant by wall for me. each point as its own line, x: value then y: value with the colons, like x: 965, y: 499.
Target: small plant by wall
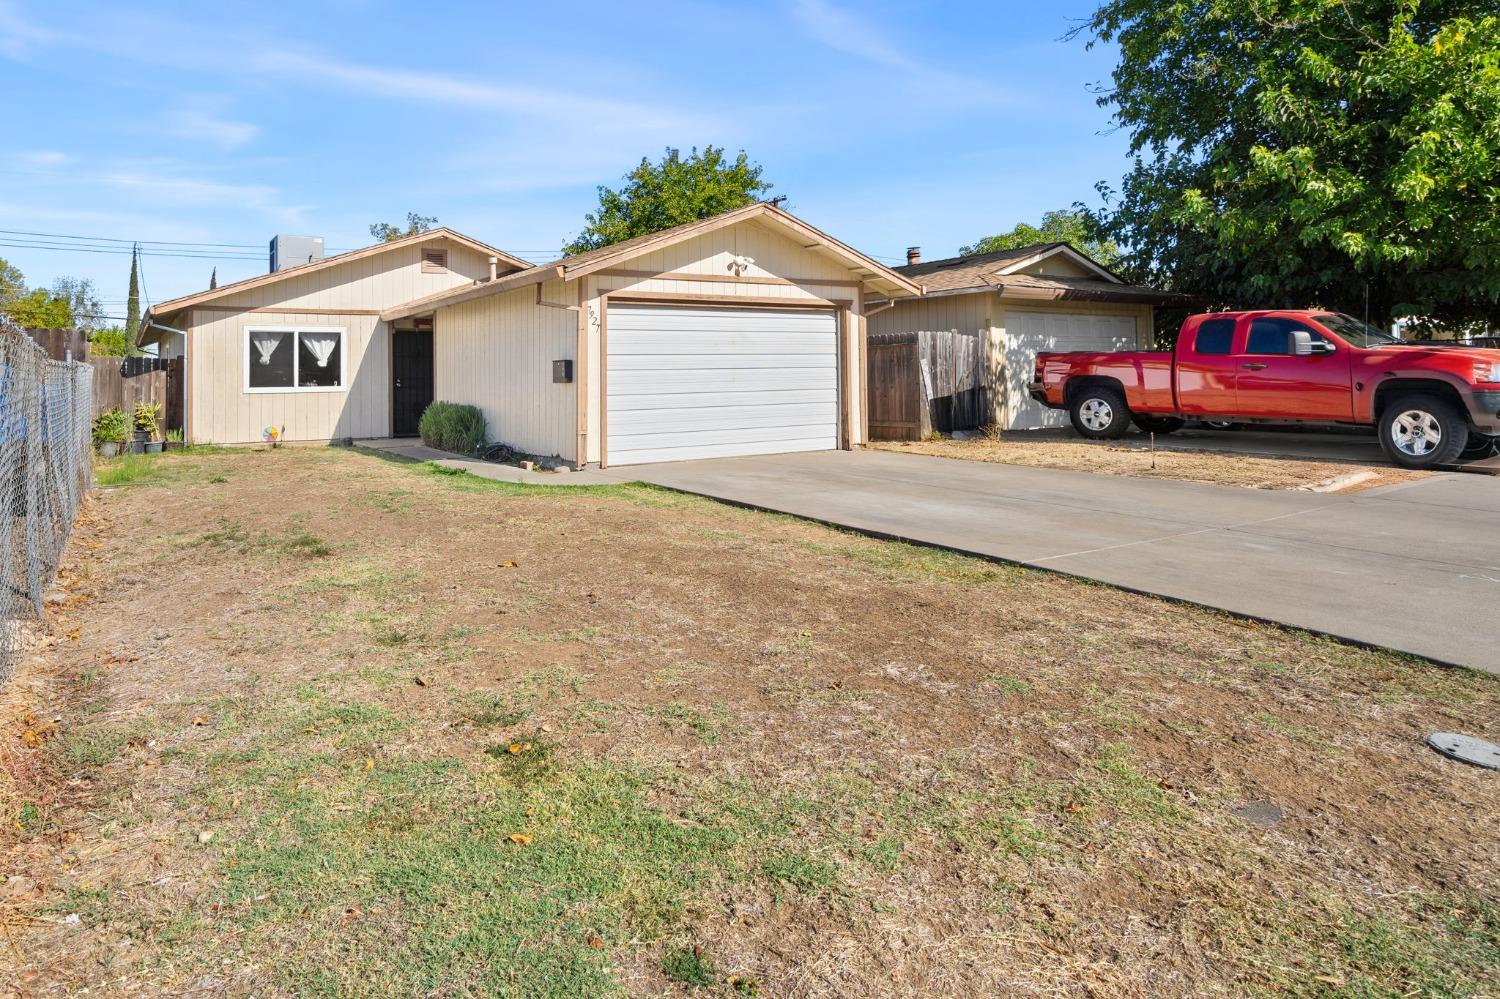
x: 451, y: 426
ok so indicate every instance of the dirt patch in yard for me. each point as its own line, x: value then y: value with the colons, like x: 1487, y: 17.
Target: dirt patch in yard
x: 1134, y: 458
x: 333, y: 725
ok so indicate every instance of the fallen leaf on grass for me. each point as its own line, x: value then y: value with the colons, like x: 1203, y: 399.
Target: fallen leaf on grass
x: 350, y: 915
x: 595, y: 942
x: 520, y: 839
x: 422, y: 681
x: 205, y: 836
x: 1074, y: 808
x: 369, y: 764
x: 509, y: 563
x: 200, y: 721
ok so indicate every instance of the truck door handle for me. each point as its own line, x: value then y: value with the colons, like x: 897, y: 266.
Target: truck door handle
x: 1257, y: 366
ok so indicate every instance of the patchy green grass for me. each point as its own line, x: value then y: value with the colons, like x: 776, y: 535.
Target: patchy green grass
x: 691, y: 967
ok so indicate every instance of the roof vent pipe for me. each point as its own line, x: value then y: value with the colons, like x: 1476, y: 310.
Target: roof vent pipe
x: 494, y: 268
x: 913, y: 256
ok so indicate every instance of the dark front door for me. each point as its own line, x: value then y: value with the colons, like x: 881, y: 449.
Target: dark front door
x: 411, y: 373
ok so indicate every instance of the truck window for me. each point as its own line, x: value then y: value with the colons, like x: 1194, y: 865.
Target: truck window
x: 1272, y: 335
x: 1215, y: 336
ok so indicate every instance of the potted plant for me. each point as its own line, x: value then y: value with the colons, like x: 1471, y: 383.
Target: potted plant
x: 146, y: 428
x: 109, y: 431
x: 174, y: 440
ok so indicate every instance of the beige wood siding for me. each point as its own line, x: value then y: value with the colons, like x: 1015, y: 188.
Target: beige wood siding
x: 982, y: 314
x: 496, y: 353
x: 222, y: 412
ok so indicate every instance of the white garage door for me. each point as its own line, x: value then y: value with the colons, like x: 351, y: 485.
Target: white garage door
x: 1027, y: 333
x: 715, y: 383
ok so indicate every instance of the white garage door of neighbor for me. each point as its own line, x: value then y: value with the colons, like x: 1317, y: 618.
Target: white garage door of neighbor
x: 716, y: 383
x: 1028, y: 333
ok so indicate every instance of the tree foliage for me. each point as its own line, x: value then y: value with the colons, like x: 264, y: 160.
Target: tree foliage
x: 1072, y: 225
x: 83, y: 302
x: 415, y: 224
x: 108, y: 342
x: 1311, y: 152
x: 41, y: 309
x: 133, y: 304
x: 673, y: 192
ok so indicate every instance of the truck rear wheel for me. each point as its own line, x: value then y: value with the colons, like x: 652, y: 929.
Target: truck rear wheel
x: 1157, y: 424
x: 1423, y: 431
x: 1099, y: 413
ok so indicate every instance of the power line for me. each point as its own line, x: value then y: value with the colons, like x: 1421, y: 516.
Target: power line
x: 113, y: 239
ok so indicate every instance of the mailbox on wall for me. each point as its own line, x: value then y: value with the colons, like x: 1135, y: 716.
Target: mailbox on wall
x: 562, y: 372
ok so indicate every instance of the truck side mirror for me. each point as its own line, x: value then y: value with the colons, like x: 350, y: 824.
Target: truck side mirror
x: 1302, y: 344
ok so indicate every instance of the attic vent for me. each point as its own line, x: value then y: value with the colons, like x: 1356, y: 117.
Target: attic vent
x: 434, y: 261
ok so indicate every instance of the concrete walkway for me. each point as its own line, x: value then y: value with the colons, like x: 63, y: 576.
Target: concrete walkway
x: 1413, y: 567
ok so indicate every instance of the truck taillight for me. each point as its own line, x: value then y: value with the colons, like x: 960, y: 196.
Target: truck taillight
x: 1487, y: 371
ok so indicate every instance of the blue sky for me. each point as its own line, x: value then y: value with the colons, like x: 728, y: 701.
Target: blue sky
x: 885, y: 123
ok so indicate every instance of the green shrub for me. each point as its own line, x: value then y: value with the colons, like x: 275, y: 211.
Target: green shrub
x: 109, y: 427
x: 451, y: 426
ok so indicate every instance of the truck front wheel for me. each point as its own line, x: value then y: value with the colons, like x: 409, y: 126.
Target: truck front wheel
x: 1423, y: 431
x: 1099, y: 413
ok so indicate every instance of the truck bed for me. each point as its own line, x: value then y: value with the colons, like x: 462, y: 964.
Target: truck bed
x: 1146, y: 374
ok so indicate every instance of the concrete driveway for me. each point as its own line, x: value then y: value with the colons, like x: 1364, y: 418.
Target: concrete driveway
x: 1413, y: 567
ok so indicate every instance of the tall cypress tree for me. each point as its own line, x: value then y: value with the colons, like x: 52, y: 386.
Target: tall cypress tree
x: 213, y: 280
x: 133, y: 304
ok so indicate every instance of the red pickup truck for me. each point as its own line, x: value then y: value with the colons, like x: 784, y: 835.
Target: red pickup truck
x: 1429, y: 401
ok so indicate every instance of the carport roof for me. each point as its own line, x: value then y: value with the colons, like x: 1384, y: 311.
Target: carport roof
x: 886, y: 280
x: 1000, y: 272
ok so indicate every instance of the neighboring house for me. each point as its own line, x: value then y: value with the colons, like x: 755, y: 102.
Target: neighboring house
x: 1019, y: 302
x: 740, y: 334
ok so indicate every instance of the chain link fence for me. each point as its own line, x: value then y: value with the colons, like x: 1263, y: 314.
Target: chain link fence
x: 46, y: 467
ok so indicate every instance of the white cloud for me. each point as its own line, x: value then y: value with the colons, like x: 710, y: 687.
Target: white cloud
x: 848, y: 32
x: 158, y: 185
x: 201, y: 123
x: 41, y: 159
x: 853, y: 33
x: 546, y: 104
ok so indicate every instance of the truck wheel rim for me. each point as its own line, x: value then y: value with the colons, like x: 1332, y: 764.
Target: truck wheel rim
x: 1096, y: 414
x: 1416, y: 433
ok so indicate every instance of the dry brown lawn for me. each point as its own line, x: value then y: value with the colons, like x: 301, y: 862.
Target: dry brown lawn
x: 310, y: 722
x: 1133, y: 457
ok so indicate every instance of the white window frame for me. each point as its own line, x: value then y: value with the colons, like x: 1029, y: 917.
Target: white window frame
x: 342, y: 386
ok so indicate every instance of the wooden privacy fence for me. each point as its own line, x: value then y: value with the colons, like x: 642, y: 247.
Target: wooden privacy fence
x: 925, y: 382
x: 125, y: 381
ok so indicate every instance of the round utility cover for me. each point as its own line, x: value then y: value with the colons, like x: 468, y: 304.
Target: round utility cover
x: 1466, y: 749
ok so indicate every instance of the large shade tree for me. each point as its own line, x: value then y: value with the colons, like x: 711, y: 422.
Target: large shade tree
x: 672, y: 192
x: 1075, y: 226
x: 1340, y: 153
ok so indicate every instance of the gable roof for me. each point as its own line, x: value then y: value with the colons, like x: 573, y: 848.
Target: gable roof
x: 198, y: 298
x: 581, y: 264
x: 977, y: 270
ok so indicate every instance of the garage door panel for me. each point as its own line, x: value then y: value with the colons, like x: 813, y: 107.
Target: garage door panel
x: 743, y: 360
x: 699, y: 383
x: 691, y: 400
x: 633, y: 450
x: 1028, y: 333
x: 716, y: 418
x: 670, y: 383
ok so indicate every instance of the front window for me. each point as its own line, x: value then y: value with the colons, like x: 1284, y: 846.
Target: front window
x: 287, y: 359
x: 1355, y: 332
x: 1273, y: 335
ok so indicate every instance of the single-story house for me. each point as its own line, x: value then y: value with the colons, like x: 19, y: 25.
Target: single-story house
x: 1045, y: 297
x: 739, y: 334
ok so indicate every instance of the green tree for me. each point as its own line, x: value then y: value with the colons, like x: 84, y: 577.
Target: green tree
x: 12, y: 281
x: 133, y: 304
x: 108, y: 342
x: 39, y: 309
x: 213, y: 279
x: 1074, y: 225
x: 1311, y: 152
x: 675, y: 191
x: 415, y: 224
x: 83, y: 302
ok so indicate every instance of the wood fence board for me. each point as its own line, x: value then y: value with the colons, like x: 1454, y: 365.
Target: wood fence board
x: 922, y: 382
